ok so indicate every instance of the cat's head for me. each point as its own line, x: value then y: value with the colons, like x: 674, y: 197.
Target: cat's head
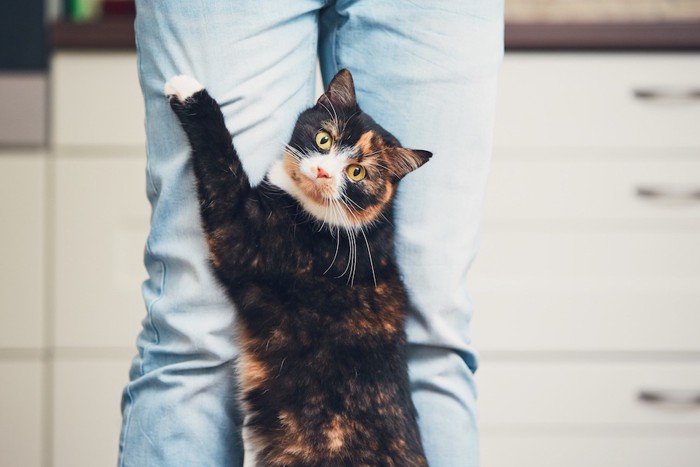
x: 340, y: 164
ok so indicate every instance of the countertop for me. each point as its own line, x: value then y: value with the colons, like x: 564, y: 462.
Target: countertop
x: 118, y: 34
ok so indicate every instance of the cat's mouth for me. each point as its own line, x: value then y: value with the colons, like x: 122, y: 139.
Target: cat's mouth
x: 314, y: 181
x: 320, y: 189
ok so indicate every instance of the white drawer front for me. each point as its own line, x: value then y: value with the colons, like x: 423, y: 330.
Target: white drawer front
x: 589, y: 254
x: 589, y: 100
x: 101, y: 227
x: 96, y: 99
x: 87, y: 417
x: 587, y: 450
x: 20, y: 413
x: 578, y: 393
x: 589, y: 290
x: 539, y: 315
x: 22, y: 250
x: 622, y: 187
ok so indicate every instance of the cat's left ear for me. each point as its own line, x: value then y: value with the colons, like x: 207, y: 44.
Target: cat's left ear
x: 406, y: 160
x: 340, y: 92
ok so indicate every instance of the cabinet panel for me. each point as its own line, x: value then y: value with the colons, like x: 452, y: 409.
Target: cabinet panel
x: 101, y: 228
x: 588, y: 290
x: 598, y: 100
x: 20, y: 406
x: 87, y: 417
x: 585, y: 254
x: 586, y: 450
x: 22, y: 250
x: 582, y: 393
x: 602, y: 187
x: 96, y: 99
x: 561, y: 314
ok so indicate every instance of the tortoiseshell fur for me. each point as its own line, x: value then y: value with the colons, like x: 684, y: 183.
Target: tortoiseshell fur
x: 320, y: 308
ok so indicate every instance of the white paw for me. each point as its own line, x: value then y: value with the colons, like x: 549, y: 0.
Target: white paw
x: 182, y: 87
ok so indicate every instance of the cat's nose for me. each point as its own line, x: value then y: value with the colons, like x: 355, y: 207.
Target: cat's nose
x: 320, y: 173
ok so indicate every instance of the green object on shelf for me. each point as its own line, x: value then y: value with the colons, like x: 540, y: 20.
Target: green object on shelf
x: 83, y: 10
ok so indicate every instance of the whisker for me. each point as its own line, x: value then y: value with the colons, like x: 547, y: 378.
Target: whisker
x: 388, y: 169
x: 369, y: 253
x: 347, y: 120
x: 337, y: 247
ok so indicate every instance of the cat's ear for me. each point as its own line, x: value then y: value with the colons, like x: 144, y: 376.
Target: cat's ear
x: 406, y: 160
x: 340, y: 92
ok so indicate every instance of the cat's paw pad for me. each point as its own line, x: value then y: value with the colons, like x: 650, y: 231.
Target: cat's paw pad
x: 181, y: 87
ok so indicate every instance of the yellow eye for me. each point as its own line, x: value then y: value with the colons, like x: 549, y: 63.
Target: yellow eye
x: 356, y: 172
x: 323, y: 140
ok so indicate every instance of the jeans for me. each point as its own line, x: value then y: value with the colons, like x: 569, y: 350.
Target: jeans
x: 427, y: 72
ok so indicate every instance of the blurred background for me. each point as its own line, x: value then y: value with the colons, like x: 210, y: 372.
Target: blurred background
x: 587, y: 287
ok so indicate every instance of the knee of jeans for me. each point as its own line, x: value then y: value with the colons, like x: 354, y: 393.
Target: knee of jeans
x: 189, y: 322
x: 440, y: 366
x: 188, y: 336
x: 186, y: 355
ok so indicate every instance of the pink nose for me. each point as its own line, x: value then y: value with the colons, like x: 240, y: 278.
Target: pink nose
x: 320, y: 173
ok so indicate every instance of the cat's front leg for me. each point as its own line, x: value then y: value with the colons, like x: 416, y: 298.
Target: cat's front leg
x: 222, y: 185
x: 221, y: 180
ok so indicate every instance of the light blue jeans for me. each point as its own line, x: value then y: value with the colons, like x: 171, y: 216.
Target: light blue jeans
x: 426, y: 71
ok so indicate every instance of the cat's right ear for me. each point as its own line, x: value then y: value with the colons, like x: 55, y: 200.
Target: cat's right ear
x: 406, y: 160
x: 340, y: 92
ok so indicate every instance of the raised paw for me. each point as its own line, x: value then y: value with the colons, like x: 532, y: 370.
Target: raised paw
x: 181, y: 87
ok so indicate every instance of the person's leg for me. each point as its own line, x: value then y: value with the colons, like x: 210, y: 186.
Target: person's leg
x: 427, y: 73
x: 258, y: 60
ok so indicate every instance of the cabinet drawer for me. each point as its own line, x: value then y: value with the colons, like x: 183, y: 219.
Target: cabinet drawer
x: 580, y: 393
x: 586, y: 450
x: 101, y: 228
x: 86, y: 398
x: 599, y: 100
x: 575, y: 316
x: 589, y: 290
x: 96, y: 99
x: 21, y: 408
x: 22, y: 249
x: 620, y: 187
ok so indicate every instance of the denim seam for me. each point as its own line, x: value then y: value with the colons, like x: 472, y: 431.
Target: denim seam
x: 150, y: 309
x: 127, y: 424
x: 334, y: 52
x: 142, y: 84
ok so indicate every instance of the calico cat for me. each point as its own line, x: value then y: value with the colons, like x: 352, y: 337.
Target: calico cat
x: 307, y: 257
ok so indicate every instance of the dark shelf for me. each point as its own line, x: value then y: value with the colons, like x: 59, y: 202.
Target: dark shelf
x: 106, y: 34
x: 603, y: 36
x: 118, y: 33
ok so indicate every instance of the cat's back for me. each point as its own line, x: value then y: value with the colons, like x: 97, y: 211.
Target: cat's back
x: 321, y: 369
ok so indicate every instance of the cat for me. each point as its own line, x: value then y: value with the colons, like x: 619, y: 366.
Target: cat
x: 307, y: 257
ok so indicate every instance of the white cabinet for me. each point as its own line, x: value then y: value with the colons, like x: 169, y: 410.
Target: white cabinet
x: 599, y: 100
x: 96, y: 100
x: 22, y: 295
x: 101, y: 226
x: 587, y: 285
x: 100, y: 220
x: 22, y: 201
x: 21, y: 409
x: 74, y: 225
x: 588, y: 448
x: 87, y: 416
x: 589, y: 393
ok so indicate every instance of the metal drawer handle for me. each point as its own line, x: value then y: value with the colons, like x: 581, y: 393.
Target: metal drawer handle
x: 667, y: 93
x: 684, y: 193
x: 669, y: 396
